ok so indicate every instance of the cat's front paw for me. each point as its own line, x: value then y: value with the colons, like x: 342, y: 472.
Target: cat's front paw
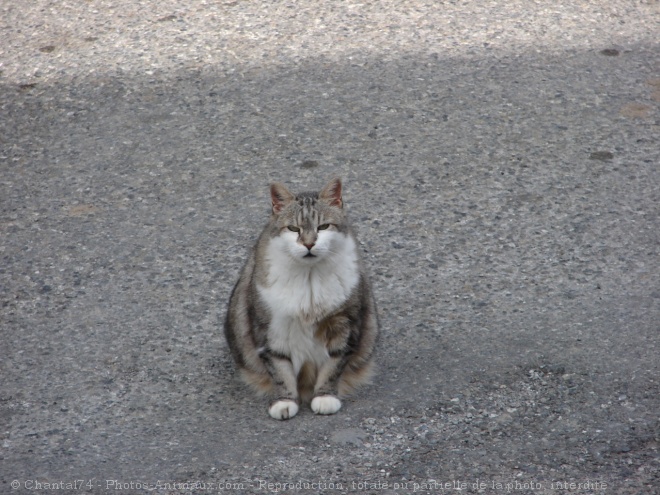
x: 283, y: 409
x: 326, y: 404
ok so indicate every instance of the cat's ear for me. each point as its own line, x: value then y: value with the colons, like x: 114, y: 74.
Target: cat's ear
x: 331, y: 193
x: 280, y: 196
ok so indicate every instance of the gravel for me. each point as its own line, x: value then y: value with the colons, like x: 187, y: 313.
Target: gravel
x: 500, y: 162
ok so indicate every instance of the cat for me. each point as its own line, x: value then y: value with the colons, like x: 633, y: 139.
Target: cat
x: 302, y: 322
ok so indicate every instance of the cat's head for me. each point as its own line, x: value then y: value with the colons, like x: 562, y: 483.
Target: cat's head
x: 310, y: 224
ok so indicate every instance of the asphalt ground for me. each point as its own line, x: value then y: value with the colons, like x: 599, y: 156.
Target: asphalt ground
x: 500, y: 162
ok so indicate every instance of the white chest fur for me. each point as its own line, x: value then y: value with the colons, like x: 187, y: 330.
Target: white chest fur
x: 299, y: 294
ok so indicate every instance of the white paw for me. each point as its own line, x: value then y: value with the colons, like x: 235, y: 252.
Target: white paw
x: 283, y: 409
x: 326, y: 404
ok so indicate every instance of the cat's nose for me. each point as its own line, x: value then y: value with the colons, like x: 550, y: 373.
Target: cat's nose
x: 309, y: 246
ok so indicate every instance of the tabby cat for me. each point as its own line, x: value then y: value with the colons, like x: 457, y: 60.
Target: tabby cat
x: 301, y: 322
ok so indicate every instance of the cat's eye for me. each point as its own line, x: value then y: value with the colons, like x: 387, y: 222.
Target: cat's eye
x: 324, y: 226
x: 293, y: 229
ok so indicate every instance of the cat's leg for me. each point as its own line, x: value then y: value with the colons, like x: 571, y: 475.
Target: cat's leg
x: 326, y: 392
x: 286, y: 402
x: 349, y: 342
x: 334, y: 333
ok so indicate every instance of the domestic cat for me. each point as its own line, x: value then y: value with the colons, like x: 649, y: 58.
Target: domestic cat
x: 302, y: 322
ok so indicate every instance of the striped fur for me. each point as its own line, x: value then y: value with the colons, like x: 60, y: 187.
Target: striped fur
x: 302, y: 322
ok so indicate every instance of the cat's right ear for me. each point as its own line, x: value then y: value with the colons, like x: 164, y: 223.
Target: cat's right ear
x: 280, y: 196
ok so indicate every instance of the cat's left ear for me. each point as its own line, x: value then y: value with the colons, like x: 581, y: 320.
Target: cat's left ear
x: 331, y: 193
x: 280, y: 196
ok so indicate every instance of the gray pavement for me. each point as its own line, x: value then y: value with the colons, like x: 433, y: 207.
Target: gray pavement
x: 500, y: 162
